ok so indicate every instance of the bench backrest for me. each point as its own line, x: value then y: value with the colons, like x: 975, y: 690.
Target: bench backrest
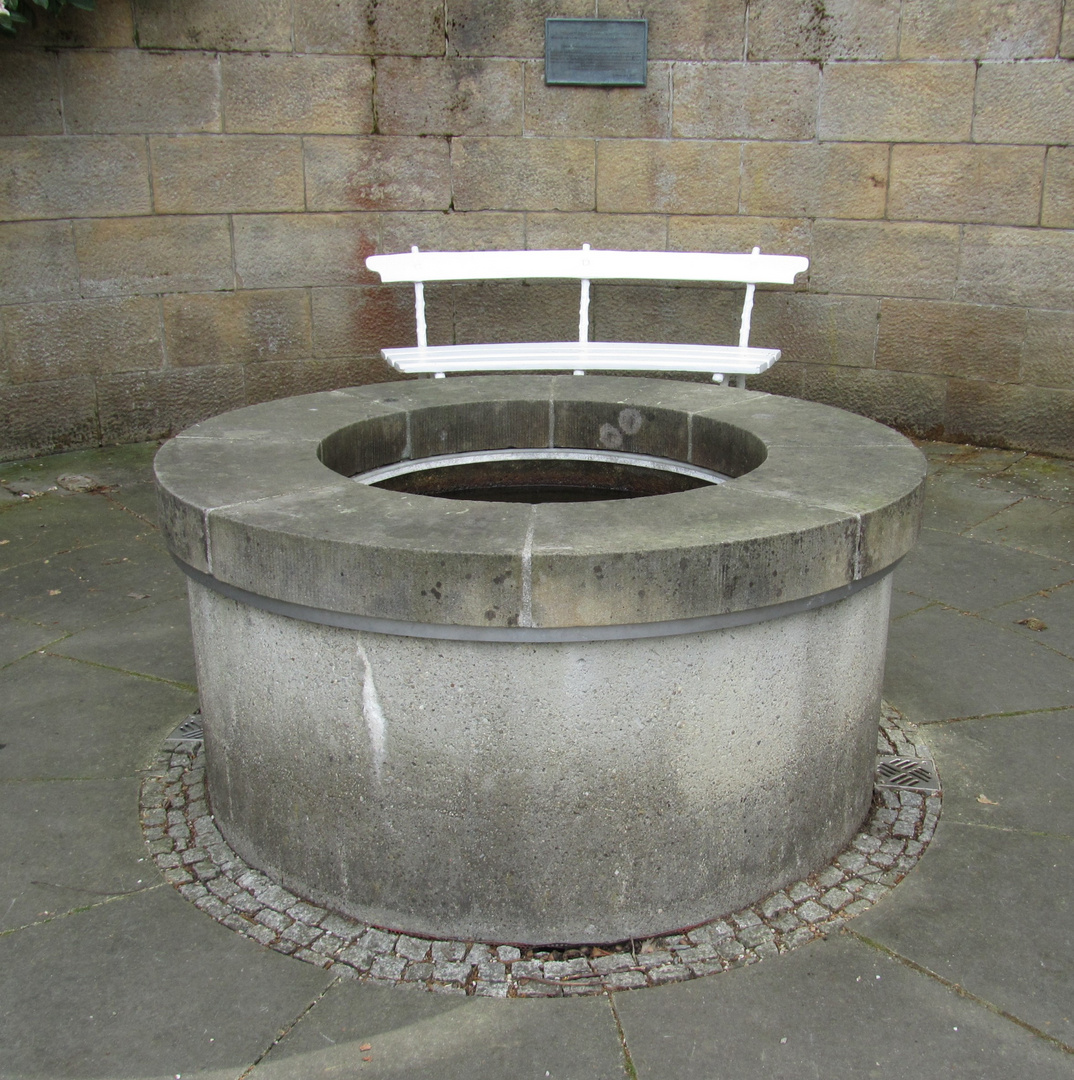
x: 586, y: 264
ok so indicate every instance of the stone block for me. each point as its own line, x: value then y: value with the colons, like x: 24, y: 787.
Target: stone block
x: 452, y: 232
x: 30, y: 90
x: 84, y: 176
x: 626, y: 232
x: 1027, y: 417
x: 885, y: 258
x: 785, y: 378
x: 1047, y: 358
x: 378, y: 173
x: 1057, y: 208
x: 777, y: 236
x: 297, y: 95
x: 237, y: 26
x: 969, y: 340
x: 599, y: 112
x: 110, y: 25
x: 976, y: 30
x: 523, y: 174
x: 37, y: 261
x: 82, y: 337
x: 715, y: 30
x: 702, y: 315
x: 663, y: 176
x: 223, y: 174
x: 745, y: 101
x: 910, y: 402
x: 1031, y: 267
x: 153, y: 255
x: 298, y: 250
x: 448, y: 96
x: 997, y: 185
x: 812, y: 329
x: 138, y: 406
x: 237, y: 327
x: 516, y: 311
x: 911, y: 102
x: 361, y: 322
x: 44, y: 418
x: 127, y: 91
x: 1024, y: 103
x: 834, y: 30
x: 1066, y: 40
x: 481, y: 28
x: 832, y: 180
x: 415, y: 28
x: 269, y: 381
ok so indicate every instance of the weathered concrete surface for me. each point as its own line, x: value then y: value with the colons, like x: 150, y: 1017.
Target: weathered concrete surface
x: 524, y: 789
x: 538, y: 793
x: 826, y: 498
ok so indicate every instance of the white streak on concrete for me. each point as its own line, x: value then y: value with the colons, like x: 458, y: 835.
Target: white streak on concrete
x: 525, y: 615
x: 371, y: 710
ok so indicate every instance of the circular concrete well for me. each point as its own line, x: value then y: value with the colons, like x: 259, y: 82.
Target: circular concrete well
x: 539, y: 717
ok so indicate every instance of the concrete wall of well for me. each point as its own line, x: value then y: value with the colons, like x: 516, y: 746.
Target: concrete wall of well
x: 191, y: 187
x: 507, y: 792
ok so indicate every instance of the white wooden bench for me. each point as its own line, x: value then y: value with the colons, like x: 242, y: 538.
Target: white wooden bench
x: 585, y: 265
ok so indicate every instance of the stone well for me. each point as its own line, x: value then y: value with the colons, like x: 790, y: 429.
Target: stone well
x: 548, y: 723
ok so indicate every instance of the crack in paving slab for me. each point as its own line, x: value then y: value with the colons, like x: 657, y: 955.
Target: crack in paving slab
x: 193, y: 856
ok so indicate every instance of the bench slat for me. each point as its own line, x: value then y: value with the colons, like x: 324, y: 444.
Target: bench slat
x: 594, y: 265
x: 586, y: 356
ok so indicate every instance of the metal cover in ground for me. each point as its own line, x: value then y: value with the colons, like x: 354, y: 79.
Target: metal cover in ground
x: 190, y: 730
x: 909, y: 774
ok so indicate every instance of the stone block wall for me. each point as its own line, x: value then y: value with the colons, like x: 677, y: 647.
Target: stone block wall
x: 190, y: 188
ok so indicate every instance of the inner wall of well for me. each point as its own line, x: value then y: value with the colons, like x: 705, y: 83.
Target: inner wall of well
x: 411, y: 434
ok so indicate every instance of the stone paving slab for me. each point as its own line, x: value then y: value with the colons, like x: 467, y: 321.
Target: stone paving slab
x: 151, y: 641
x: 20, y: 637
x: 79, y: 588
x: 1039, y: 526
x: 972, y: 575
x: 942, y: 664
x: 447, y: 1038
x: 66, y: 844
x: 836, y: 1008
x: 1009, y: 773
x: 952, y: 504
x: 36, y: 528
x: 144, y: 987
x: 1046, y: 616
x: 63, y: 719
x: 991, y: 911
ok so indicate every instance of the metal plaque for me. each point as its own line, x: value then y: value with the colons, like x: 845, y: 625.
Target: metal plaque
x: 595, y: 52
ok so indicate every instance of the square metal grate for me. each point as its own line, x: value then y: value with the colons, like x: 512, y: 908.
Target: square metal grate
x: 907, y: 774
x: 190, y: 730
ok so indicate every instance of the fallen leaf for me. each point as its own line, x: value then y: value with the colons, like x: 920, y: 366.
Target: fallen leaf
x: 986, y: 800
x: 1032, y: 624
x: 3, y: 542
x: 138, y: 595
x: 598, y: 951
x: 366, y: 1046
x: 367, y: 1059
x: 54, y: 592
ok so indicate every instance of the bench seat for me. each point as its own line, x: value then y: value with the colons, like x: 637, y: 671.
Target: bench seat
x: 581, y: 356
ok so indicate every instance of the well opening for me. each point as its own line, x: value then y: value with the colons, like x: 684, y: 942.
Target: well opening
x: 541, y: 476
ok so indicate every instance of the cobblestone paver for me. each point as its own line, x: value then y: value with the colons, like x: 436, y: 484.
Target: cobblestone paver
x: 191, y: 854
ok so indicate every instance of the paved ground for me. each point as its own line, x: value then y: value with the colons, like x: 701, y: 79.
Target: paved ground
x: 966, y: 970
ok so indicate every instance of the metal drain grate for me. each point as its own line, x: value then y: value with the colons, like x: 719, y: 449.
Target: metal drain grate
x: 190, y: 730
x: 907, y: 774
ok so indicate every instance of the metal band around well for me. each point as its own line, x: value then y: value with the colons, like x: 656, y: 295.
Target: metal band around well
x: 523, y: 634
